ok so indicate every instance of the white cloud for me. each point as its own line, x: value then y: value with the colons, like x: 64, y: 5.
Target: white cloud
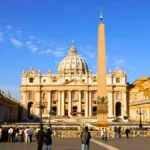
x: 43, y: 42
x: 58, y: 53
x: 90, y: 54
x: 31, y: 37
x: 88, y: 46
x: 61, y: 48
x: 46, y: 52
x: 121, y: 61
x: 18, y: 32
x: 33, y: 48
x: 28, y: 42
x: 1, y: 36
x: 9, y: 27
x: 16, y: 42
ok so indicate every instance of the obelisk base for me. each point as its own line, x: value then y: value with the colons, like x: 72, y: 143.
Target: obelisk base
x: 102, y: 112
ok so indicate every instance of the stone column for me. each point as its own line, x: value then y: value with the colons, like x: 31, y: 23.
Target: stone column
x: 86, y: 104
x: 147, y: 114
x: 90, y: 103
x: 49, y: 101
x: 79, y: 109
x: 63, y: 104
x: 110, y: 104
x: 24, y: 100
x: 38, y: 96
x: 124, y: 103
x: 58, y: 110
x: 69, y: 104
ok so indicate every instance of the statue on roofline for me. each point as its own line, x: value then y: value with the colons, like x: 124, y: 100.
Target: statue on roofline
x: 102, y: 99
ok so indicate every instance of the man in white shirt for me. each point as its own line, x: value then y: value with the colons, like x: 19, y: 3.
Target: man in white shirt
x: 0, y: 133
x: 10, y: 133
x: 26, y: 133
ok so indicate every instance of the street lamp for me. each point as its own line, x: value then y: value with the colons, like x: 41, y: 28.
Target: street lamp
x: 140, y: 113
x: 40, y: 106
x: 50, y: 113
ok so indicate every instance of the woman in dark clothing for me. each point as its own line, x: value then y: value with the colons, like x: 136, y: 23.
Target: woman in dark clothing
x: 48, y: 139
x: 40, y: 138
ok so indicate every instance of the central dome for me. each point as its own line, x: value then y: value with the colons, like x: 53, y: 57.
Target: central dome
x: 73, y: 63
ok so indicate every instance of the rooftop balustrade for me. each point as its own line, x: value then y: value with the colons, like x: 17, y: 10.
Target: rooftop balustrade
x: 8, y: 96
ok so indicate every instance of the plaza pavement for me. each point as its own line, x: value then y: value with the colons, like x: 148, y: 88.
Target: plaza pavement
x: 133, y: 143
x: 140, y: 143
x: 58, y: 144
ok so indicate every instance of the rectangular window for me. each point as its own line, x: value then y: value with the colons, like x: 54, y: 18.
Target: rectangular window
x: 31, y: 80
x: 118, y: 95
x: 66, y: 95
x: 83, y: 102
x: 30, y: 95
x: 117, y: 80
x: 53, y: 95
x: 74, y: 95
x: 82, y: 95
x: 66, y: 102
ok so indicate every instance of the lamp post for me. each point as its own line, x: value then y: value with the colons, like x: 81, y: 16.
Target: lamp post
x: 50, y: 113
x: 140, y: 113
x: 41, y: 105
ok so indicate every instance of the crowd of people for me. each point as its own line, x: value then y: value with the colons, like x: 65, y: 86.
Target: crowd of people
x: 13, y: 134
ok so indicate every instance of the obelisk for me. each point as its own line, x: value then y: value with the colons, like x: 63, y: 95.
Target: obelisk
x: 101, y: 88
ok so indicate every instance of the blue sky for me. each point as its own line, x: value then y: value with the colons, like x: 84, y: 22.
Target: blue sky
x: 39, y: 33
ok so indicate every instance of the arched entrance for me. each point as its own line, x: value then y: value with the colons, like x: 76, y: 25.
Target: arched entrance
x: 30, y: 110
x: 54, y: 111
x: 74, y: 108
x: 118, y: 109
x: 94, y: 111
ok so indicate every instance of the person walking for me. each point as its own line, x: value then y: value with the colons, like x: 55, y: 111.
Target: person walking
x: 48, y: 139
x: 115, y: 132
x: 40, y: 138
x: 26, y: 134
x: 105, y: 134
x: 119, y: 132
x: 102, y: 134
x: 85, y: 139
x: 10, y: 134
x: 127, y: 131
x: 1, y: 131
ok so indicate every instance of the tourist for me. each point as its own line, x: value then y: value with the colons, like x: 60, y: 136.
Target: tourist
x: 85, y: 138
x: 127, y: 131
x: 102, y: 134
x: 26, y: 134
x: 48, y: 139
x: 119, y: 132
x: 105, y: 134
x: 1, y: 131
x: 10, y: 133
x: 40, y: 138
x: 30, y: 133
x: 115, y: 132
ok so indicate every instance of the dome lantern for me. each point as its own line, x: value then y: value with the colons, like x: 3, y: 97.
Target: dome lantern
x: 73, y: 64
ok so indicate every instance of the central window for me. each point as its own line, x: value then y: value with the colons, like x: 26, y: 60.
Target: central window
x: 31, y: 80
x: 117, y: 80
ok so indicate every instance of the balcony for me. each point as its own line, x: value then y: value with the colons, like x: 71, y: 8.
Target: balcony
x: 137, y: 102
x: 75, y: 100
x: 54, y: 100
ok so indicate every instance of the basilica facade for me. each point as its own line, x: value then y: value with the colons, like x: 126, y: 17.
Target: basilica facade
x: 72, y: 91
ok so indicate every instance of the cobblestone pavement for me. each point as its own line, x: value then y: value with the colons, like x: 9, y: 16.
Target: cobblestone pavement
x: 137, y: 143
x: 58, y: 144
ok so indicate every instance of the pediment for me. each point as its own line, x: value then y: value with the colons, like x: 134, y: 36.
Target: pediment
x: 118, y: 72
x: 32, y: 72
x: 74, y: 82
